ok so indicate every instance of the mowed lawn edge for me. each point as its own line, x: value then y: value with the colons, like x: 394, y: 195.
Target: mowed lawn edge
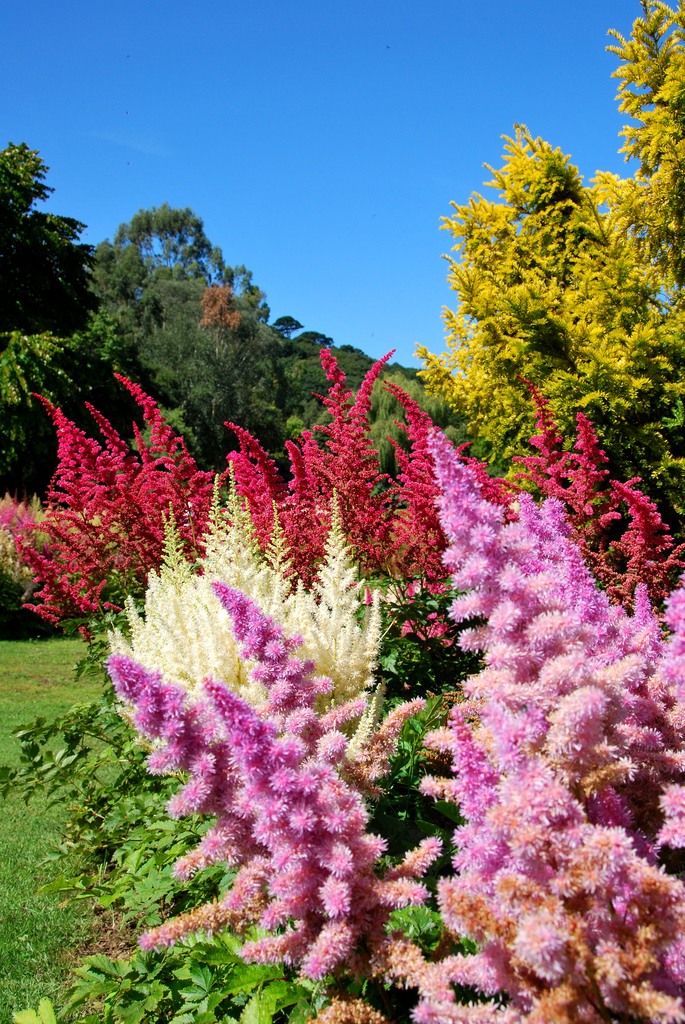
x: 37, y: 932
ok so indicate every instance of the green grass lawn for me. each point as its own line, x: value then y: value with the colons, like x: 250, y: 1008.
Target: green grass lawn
x: 36, y: 933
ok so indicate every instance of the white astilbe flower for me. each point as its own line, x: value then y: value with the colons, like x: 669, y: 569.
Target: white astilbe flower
x: 368, y: 723
x: 342, y: 647
x: 184, y: 632
x: 232, y: 555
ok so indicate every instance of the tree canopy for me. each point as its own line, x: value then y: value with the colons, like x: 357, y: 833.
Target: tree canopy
x: 44, y: 269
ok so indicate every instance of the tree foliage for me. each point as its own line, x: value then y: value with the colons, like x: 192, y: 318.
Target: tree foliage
x: 576, y: 286
x: 44, y: 269
x: 652, y: 93
x: 197, y: 327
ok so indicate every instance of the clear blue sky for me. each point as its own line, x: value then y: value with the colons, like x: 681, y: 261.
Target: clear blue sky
x: 321, y: 141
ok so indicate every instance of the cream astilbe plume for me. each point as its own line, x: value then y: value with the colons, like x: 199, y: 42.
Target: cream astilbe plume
x: 183, y: 631
x: 185, y: 634
x: 233, y: 556
x: 343, y: 647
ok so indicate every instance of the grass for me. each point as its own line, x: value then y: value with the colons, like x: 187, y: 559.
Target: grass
x: 36, y: 932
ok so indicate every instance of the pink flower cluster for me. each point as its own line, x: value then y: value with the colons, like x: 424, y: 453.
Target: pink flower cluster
x: 107, y: 504
x: 561, y: 752
x: 286, y: 817
x: 18, y: 517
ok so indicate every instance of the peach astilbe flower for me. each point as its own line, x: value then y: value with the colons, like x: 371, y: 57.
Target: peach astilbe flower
x: 560, y: 752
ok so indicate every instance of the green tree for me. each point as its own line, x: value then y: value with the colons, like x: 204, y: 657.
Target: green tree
x: 68, y: 372
x: 198, y: 329
x: 576, y: 287
x: 286, y: 326
x: 44, y: 270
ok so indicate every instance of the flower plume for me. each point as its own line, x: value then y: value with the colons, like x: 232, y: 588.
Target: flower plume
x: 560, y: 752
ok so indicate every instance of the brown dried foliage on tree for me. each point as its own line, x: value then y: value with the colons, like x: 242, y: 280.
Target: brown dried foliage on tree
x: 218, y: 307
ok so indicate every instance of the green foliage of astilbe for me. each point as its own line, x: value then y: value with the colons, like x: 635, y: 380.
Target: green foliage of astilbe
x: 420, y: 653
x: 201, y: 983
x: 90, y: 760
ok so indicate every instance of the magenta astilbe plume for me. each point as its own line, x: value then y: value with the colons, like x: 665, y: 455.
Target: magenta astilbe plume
x: 560, y: 751
x: 621, y: 555
x: 258, y: 480
x: 418, y: 536
x: 18, y: 517
x: 106, y: 510
x: 351, y: 465
x: 344, y: 466
x: 392, y: 526
x: 284, y: 813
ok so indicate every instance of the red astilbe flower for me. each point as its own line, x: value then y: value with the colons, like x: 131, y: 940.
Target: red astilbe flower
x: 392, y: 525
x: 106, y: 511
x: 257, y: 480
x: 350, y: 465
x: 620, y: 553
x: 418, y: 538
x: 344, y: 467
x: 285, y: 816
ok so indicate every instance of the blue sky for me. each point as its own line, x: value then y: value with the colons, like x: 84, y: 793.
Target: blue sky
x: 321, y: 141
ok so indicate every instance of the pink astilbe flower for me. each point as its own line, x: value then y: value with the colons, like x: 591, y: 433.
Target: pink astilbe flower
x: 561, y: 751
x: 621, y: 554
x: 17, y: 516
x: 106, y: 510
x: 284, y: 814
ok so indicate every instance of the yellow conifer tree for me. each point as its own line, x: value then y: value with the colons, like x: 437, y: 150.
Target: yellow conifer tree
x: 577, y: 287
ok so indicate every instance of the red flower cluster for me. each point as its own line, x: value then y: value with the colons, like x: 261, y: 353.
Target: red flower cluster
x: 106, y: 509
x: 618, y: 529
x: 392, y: 524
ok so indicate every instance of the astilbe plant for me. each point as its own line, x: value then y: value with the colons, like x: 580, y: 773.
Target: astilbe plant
x: 19, y: 520
x: 106, y: 509
x: 561, y: 752
x: 618, y: 528
x: 286, y: 817
x: 391, y: 525
x: 183, y: 630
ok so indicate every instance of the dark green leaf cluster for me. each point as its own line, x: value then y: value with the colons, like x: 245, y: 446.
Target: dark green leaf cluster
x: 44, y: 270
x: 205, y: 983
x: 420, y: 653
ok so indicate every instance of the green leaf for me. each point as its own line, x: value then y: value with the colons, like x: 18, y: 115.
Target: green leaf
x: 450, y: 811
x: 258, y: 1011
x: 45, y: 1015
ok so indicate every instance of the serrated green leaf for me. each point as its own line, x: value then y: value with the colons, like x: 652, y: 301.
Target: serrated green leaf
x: 257, y: 1011
x: 45, y: 1014
x: 248, y: 976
